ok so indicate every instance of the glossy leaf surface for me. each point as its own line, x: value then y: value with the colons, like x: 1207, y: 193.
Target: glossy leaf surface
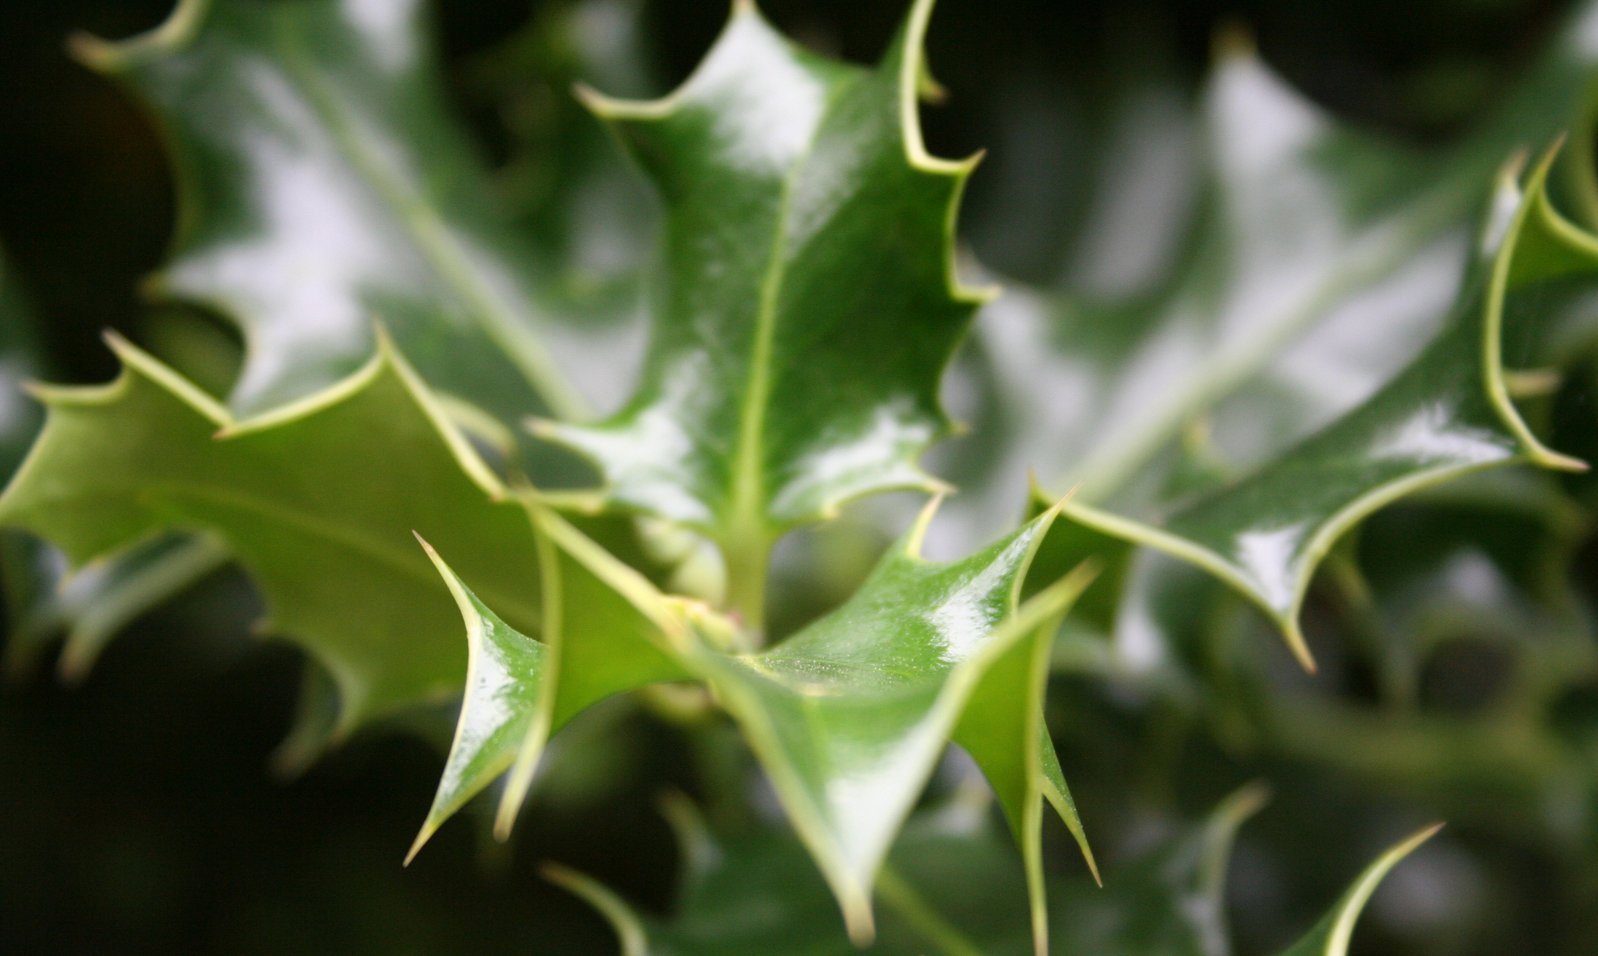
x: 1446, y: 415
x: 849, y: 716
x: 804, y: 305
x: 1311, y: 261
x: 592, y: 644
x: 323, y: 182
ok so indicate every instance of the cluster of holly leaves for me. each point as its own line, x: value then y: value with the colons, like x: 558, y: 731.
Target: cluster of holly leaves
x: 1285, y: 326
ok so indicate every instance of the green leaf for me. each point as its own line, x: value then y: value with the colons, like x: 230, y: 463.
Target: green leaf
x: 317, y: 502
x: 804, y: 306
x: 322, y: 182
x: 1312, y: 260
x: 520, y: 690
x: 850, y: 715
x: 1331, y: 935
x: 1300, y: 264
x: 1446, y: 415
x: 41, y: 602
x: 504, y: 691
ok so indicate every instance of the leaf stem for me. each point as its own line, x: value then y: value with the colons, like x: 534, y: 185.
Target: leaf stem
x: 748, y: 557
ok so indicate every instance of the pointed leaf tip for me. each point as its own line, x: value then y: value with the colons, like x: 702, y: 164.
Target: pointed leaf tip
x: 1331, y: 936
x: 1293, y: 635
x: 780, y: 115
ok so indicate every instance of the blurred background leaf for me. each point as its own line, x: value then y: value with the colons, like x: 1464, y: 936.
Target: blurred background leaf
x: 1455, y: 633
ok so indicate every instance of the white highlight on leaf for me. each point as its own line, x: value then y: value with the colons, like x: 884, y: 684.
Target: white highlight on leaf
x: 767, y: 105
x: 386, y: 31
x: 1269, y: 555
x: 1431, y: 434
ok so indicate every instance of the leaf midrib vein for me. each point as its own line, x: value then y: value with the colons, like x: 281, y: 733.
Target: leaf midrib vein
x: 431, y: 237
x: 747, y: 521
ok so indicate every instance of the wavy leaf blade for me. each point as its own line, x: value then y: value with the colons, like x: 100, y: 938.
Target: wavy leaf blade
x: 1446, y: 415
x: 322, y: 182
x: 318, y: 505
x: 804, y: 306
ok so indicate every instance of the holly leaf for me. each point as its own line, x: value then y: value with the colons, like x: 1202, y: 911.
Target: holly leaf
x: 520, y: 690
x: 1448, y: 414
x: 1313, y: 260
x: 322, y: 181
x: 849, y: 716
x: 804, y: 306
x: 1309, y: 264
x: 316, y: 501
x: 1331, y: 935
x: 41, y: 601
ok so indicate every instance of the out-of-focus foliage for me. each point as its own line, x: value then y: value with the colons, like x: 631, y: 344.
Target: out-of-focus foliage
x: 1330, y: 360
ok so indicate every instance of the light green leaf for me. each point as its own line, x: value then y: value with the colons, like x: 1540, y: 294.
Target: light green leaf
x: 322, y: 182
x: 317, y: 502
x: 1331, y: 935
x: 91, y: 607
x: 804, y: 305
x: 1446, y: 415
x: 503, y: 706
x: 593, y: 644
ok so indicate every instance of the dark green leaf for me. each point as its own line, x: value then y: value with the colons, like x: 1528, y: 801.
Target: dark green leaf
x: 1446, y: 415
x: 322, y: 183
x: 804, y: 306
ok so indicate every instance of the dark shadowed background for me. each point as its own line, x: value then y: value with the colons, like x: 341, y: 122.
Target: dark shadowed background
x: 138, y: 811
